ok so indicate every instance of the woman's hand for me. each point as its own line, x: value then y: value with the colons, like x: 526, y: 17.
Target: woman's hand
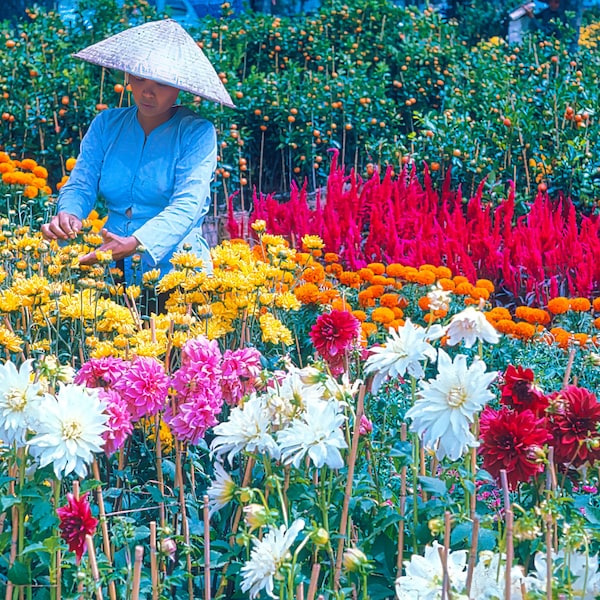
x: 121, y: 247
x: 63, y: 226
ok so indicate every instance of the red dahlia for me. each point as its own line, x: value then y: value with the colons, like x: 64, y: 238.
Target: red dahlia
x: 520, y: 393
x: 513, y: 441
x: 76, y: 522
x: 333, y: 334
x: 574, y: 420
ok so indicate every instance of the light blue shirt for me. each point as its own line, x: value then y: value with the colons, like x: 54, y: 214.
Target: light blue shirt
x: 155, y: 187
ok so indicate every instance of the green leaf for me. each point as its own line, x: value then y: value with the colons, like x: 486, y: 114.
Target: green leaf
x: 433, y: 485
x: 19, y: 574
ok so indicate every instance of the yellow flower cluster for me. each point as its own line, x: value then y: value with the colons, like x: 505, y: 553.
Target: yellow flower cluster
x: 26, y: 174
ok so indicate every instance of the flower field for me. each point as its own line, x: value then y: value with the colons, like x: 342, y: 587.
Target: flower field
x: 387, y: 387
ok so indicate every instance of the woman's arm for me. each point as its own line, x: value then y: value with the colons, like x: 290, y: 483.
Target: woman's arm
x: 191, y: 194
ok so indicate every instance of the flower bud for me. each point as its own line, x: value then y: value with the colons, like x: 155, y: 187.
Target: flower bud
x: 320, y: 536
x: 169, y: 547
x: 255, y: 516
x: 354, y: 560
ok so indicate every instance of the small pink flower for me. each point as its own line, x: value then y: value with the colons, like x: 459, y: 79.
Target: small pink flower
x: 240, y: 369
x: 190, y: 419
x: 144, y: 386
x: 101, y: 372
x: 119, y: 421
x: 365, y: 426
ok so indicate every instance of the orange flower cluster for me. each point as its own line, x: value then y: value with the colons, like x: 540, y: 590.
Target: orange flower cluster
x: 26, y: 173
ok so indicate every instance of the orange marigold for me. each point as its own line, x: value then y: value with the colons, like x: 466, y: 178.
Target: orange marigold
x: 423, y: 303
x: 505, y: 326
x: 361, y: 315
x: 430, y: 317
x: 41, y: 172
x: 597, y: 322
x: 328, y: 296
x: 314, y: 273
x: 460, y: 279
x: 331, y: 257
x: 382, y: 314
x: 366, y: 274
x: 307, y: 293
x: 349, y: 278
x: 479, y: 293
x: 381, y: 280
x: 28, y: 164
x: 377, y: 268
x: 398, y: 312
x: 580, y: 304
x: 596, y: 304
x: 443, y: 273
x: 524, y: 330
x: 334, y: 269
x: 499, y: 312
x: 395, y: 270
x: 302, y: 258
x: 410, y: 273
x: 396, y: 324
x: 376, y: 291
x: 341, y: 304
x: 446, y: 284
x: 30, y: 191
x: 368, y: 329
x: 365, y: 299
x: 464, y: 288
x: 581, y: 338
x: 425, y: 277
x: 558, y: 305
x: 390, y: 300
x: 485, y: 283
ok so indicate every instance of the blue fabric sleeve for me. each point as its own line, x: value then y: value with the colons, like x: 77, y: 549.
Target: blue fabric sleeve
x: 191, y: 194
x: 79, y: 194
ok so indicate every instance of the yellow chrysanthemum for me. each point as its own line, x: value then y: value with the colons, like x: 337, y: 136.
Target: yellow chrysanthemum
x: 312, y: 242
x: 170, y: 281
x: 10, y: 301
x: 274, y: 331
x: 186, y: 260
x: 287, y: 301
x: 9, y: 340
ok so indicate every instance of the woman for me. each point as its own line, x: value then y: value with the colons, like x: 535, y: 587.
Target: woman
x: 151, y: 163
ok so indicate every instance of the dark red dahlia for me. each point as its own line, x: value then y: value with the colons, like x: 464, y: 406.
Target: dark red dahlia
x: 513, y: 441
x: 520, y: 393
x: 574, y: 417
x: 76, y: 522
x: 333, y: 334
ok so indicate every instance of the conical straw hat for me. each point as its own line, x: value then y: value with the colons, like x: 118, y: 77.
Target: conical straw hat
x: 162, y: 51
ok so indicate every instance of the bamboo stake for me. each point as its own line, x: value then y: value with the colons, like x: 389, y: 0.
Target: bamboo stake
x: 58, y: 574
x: 153, y: 561
x: 300, y: 591
x: 472, y: 555
x: 106, y: 547
x: 137, y: 570
x: 400, y: 559
x: 89, y: 542
x: 509, y: 554
x: 206, y: 515
x: 314, y: 579
x: 159, y: 471
x: 184, y: 521
x: 444, y: 552
x: 549, y: 557
x: 569, y: 367
x: 348, y: 490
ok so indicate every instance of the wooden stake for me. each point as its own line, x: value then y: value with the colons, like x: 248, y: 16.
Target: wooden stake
x: 314, y: 580
x: 510, y: 551
x: 89, y: 542
x: 472, y: 555
x: 153, y: 561
x: 206, y: 549
x: 137, y: 571
x: 348, y: 490
x: 400, y: 559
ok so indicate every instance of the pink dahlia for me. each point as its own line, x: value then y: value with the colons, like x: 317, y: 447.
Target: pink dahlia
x: 512, y: 441
x: 334, y: 334
x: 119, y: 421
x: 189, y: 420
x: 240, y: 368
x: 520, y: 393
x: 144, y: 386
x: 101, y: 372
x: 574, y: 420
x: 76, y: 521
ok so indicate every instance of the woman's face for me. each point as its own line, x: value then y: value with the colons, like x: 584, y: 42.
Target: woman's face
x: 154, y: 100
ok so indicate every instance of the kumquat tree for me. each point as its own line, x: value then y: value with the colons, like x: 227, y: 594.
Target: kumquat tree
x: 386, y: 388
